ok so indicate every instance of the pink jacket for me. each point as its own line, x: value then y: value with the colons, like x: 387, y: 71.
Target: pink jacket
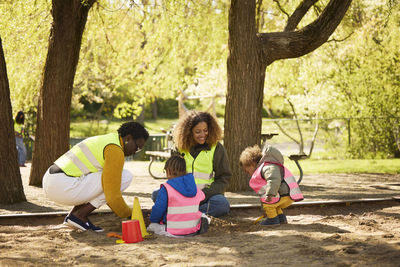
x: 183, y: 215
x: 258, y: 184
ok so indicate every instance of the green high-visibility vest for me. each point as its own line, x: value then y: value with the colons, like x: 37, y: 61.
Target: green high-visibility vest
x: 87, y: 156
x: 201, y: 166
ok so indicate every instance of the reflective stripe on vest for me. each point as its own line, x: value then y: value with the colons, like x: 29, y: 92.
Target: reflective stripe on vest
x: 259, y: 184
x: 183, y: 215
x: 201, y: 166
x: 87, y: 156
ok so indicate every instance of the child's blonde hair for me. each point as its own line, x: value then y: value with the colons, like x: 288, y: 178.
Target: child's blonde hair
x: 175, y: 165
x: 250, y: 155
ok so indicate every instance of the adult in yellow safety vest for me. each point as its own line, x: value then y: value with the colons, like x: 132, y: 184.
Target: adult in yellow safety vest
x: 91, y: 174
x: 196, y: 137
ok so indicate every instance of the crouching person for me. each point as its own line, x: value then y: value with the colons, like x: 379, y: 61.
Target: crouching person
x: 91, y: 174
x: 176, y: 209
x: 272, y: 181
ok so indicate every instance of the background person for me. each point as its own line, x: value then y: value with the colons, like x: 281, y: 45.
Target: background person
x: 19, y: 131
x: 91, y: 174
x: 196, y: 138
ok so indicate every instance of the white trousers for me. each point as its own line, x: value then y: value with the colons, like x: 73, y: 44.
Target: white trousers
x: 73, y: 191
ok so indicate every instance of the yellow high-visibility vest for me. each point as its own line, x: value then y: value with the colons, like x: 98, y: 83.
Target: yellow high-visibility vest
x: 201, y: 166
x: 87, y: 156
x: 19, y: 128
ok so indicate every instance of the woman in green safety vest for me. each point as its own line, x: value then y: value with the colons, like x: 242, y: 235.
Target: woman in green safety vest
x: 19, y: 131
x: 197, y: 137
x: 91, y: 174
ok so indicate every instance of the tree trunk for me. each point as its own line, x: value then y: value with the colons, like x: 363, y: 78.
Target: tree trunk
x: 246, y: 75
x: 11, y: 189
x: 249, y: 55
x: 53, y: 121
x: 140, y: 118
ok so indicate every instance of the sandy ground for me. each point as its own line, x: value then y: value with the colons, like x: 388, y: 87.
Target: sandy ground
x: 352, y: 234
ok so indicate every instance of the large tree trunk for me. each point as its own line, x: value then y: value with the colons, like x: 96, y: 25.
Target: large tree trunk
x: 11, y: 189
x: 246, y: 75
x: 53, y: 120
x: 249, y: 55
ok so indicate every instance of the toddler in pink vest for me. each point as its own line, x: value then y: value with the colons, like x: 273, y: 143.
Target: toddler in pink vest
x: 273, y: 182
x: 177, y: 203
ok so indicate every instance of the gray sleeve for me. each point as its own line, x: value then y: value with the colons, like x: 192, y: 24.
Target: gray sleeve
x: 272, y: 174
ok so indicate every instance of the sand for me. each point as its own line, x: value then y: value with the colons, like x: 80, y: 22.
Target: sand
x: 348, y: 234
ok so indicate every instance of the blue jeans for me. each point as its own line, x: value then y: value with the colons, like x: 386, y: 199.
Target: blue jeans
x: 21, y: 150
x: 216, y: 206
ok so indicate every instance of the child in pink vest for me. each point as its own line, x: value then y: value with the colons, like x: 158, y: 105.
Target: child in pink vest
x: 177, y: 203
x: 273, y: 182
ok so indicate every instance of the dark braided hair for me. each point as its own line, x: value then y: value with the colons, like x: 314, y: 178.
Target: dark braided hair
x: 176, y: 165
x: 135, y: 129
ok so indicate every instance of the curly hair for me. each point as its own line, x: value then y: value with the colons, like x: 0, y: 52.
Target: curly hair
x: 183, y: 136
x: 133, y: 128
x: 176, y: 165
x: 250, y: 155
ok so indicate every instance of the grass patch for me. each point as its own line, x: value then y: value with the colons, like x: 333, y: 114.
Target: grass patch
x: 87, y: 128
x: 310, y: 166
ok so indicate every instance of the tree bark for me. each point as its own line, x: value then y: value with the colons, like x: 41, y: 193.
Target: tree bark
x: 11, y: 189
x: 53, y: 120
x: 246, y: 74
x: 249, y: 55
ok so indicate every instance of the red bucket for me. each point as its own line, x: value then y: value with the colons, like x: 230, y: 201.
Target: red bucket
x: 131, y: 231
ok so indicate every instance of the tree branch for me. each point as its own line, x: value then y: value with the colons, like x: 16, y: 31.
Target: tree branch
x: 281, y: 45
x: 280, y: 127
x: 313, y: 139
x: 301, y: 144
x: 298, y: 14
x: 340, y: 40
x: 281, y: 8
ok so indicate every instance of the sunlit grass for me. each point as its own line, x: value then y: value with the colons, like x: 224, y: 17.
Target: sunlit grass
x: 91, y: 127
x: 319, y: 163
x: 391, y: 166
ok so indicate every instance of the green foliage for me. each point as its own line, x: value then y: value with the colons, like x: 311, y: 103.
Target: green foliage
x: 355, y: 75
x: 147, y: 51
x: 25, y: 29
x: 166, y: 108
x: 134, y: 52
x: 370, y: 83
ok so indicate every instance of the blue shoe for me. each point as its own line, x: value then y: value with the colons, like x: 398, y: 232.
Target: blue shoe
x: 94, y: 227
x: 282, y: 219
x: 76, y: 223
x: 270, y: 221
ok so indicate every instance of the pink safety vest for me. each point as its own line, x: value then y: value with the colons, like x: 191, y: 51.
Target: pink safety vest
x: 259, y: 184
x: 183, y: 215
